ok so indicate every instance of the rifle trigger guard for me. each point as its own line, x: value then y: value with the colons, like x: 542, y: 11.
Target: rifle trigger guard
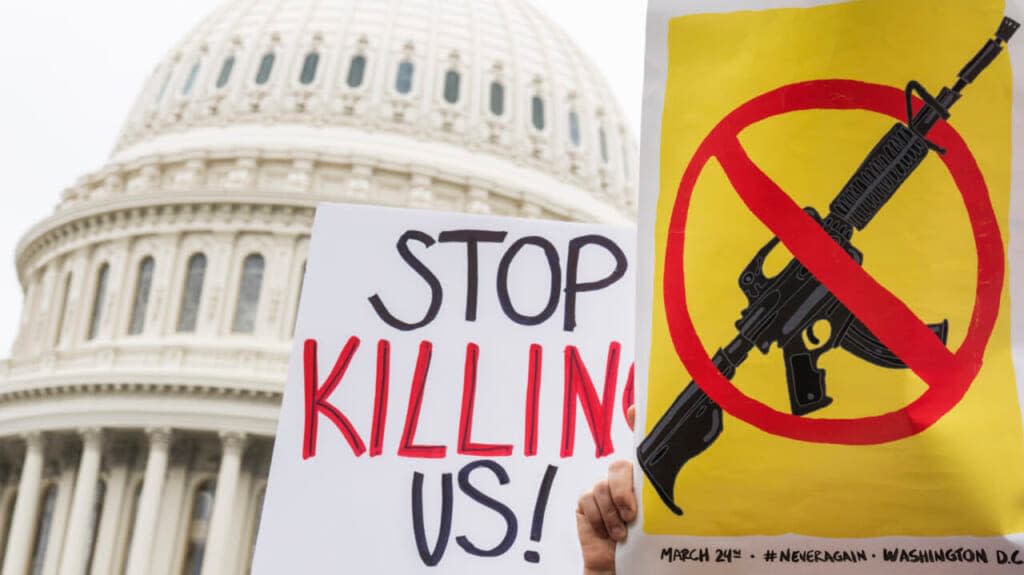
x: 915, y: 87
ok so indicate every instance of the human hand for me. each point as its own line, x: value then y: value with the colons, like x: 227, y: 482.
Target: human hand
x: 602, y: 515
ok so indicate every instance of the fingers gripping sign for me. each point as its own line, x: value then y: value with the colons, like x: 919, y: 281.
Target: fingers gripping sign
x: 604, y: 513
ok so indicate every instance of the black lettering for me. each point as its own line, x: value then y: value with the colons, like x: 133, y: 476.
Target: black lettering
x: 556, y: 280
x: 436, y: 292
x: 432, y: 558
x: 512, y: 525
x: 472, y: 239
x: 1005, y: 558
x: 572, y: 285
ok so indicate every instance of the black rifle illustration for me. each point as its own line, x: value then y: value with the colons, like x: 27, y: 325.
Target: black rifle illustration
x: 784, y: 309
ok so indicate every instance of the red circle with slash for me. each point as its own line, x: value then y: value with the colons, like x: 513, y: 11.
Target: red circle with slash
x: 948, y: 374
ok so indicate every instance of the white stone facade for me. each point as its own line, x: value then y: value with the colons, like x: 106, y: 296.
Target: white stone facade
x: 139, y: 405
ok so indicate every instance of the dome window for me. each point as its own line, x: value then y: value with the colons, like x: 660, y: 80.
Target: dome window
x: 604, y: 145
x: 190, y: 80
x: 309, y: 68
x: 356, y: 71
x: 452, y: 79
x: 63, y: 309
x: 142, y: 287
x: 266, y: 66
x: 99, y: 298
x: 537, y: 112
x: 574, y: 128
x: 225, y: 71
x: 249, y: 295
x: 403, y: 80
x: 193, y: 293
x: 163, y: 87
x: 497, y: 98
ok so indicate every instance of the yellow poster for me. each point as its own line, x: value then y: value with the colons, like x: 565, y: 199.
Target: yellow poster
x: 830, y: 315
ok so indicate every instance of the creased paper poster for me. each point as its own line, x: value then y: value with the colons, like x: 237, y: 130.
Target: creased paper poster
x: 831, y: 288
x: 456, y: 382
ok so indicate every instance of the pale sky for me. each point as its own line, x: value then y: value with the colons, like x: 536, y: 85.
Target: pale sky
x: 71, y: 71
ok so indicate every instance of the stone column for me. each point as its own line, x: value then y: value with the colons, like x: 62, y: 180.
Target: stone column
x: 218, y: 555
x: 26, y: 508
x: 61, y: 508
x: 149, y: 502
x: 175, y: 512
x: 9, y: 494
x: 79, y: 535
x: 105, y: 557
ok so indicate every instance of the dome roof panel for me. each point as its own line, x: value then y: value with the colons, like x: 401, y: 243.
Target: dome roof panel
x: 425, y: 69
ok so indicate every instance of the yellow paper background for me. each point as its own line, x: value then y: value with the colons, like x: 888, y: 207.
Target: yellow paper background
x: 963, y: 476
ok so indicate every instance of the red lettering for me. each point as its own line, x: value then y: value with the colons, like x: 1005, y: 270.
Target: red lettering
x: 533, y: 379
x: 579, y: 386
x: 627, y: 395
x: 317, y: 396
x: 380, y: 398
x: 466, y: 444
x: 412, y: 416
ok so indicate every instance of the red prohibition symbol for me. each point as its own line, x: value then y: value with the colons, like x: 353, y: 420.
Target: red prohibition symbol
x: 947, y: 374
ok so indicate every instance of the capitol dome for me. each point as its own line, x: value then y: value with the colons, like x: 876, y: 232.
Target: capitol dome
x: 518, y: 120
x: 139, y: 405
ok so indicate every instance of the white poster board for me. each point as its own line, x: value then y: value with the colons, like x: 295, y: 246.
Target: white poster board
x: 456, y: 383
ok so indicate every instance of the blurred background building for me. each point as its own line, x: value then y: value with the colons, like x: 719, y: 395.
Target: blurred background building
x: 138, y: 408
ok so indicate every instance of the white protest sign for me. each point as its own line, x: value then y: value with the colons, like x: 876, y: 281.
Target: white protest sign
x: 456, y: 382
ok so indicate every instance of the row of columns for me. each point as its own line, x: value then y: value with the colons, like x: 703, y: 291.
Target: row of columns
x: 74, y: 560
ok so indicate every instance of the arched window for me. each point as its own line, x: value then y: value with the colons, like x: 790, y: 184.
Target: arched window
x: 497, y: 98
x: 403, y: 80
x: 537, y: 112
x: 225, y: 71
x: 356, y: 71
x: 604, y: 145
x: 163, y: 86
x: 248, y: 295
x: 199, y: 525
x: 190, y: 80
x: 63, y: 309
x: 266, y: 66
x: 193, y: 292
x: 574, y: 128
x: 98, y: 301
x: 43, y: 526
x: 142, y: 286
x: 452, y: 79
x: 94, y: 523
x: 309, y: 68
